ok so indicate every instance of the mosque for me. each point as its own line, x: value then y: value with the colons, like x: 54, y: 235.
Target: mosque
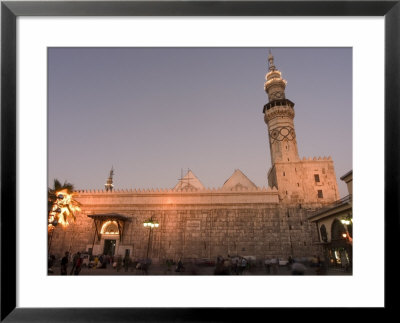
x: 190, y: 221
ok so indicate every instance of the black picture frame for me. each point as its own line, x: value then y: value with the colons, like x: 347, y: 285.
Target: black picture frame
x: 11, y: 10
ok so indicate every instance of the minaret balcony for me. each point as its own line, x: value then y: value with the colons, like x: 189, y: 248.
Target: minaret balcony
x: 278, y: 103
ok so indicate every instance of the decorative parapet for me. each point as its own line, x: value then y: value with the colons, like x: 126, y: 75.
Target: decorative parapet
x: 170, y: 190
x: 169, y: 196
x: 316, y: 158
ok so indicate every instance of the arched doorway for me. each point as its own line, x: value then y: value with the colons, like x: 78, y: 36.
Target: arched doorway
x: 337, y: 231
x: 109, y: 230
x: 340, y: 251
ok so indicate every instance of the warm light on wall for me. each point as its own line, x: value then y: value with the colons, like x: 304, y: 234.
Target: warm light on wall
x: 106, y: 225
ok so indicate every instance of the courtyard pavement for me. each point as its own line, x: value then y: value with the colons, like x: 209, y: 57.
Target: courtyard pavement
x: 157, y: 269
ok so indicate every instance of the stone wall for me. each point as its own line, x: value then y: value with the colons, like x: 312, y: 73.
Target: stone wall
x: 253, y: 226
x: 296, y: 182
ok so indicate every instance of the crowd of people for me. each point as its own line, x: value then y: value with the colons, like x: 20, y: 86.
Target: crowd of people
x: 75, y: 263
x: 230, y: 265
x: 239, y: 265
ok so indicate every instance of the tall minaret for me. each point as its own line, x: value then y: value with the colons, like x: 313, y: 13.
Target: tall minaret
x: 306, y: 181
x: 109, y: 185
x: 279, y: 115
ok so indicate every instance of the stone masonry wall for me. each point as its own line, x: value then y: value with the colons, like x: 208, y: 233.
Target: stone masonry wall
x: 296, y: 182
x: 197, y: 231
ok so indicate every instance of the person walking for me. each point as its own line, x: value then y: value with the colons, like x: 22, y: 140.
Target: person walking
x: 145, y: 266
x: 78, y: 264
x: 74, y: 260
x: 50, y: 264
x: 243, y: 265
x: 267, y: 264
x: 321, y: 268
x: 221, y: 269
x: 179, y: 267
x: 298, y: 268
x: 64, y: 263
x: 95, y: 262
x: 274, y: 266
x: 236, y: 266
x: 127, y: 261
x: 169, y: 264
x: 290, y: 262
x: 119, y: 263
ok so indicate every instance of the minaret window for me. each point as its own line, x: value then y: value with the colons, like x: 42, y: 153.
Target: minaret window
x: 316, y: 177
x: 320, y: 195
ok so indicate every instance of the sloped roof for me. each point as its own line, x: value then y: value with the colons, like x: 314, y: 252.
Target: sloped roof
x: 108, y: 216
x: 189, y: 182
x: 238, y: 180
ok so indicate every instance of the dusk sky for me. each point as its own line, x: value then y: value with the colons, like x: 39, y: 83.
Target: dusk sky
x: 150, y: 112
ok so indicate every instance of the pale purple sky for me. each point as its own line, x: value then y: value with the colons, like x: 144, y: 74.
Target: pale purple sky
x: 150, y: 112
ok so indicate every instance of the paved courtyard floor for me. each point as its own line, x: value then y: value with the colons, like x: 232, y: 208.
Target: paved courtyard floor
x: 156, y: 269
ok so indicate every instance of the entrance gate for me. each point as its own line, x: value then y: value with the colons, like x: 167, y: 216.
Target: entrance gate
x: 109, y: 247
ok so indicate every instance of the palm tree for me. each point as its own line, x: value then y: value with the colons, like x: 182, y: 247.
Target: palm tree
x: 61, y: 204
x: 57, y: 186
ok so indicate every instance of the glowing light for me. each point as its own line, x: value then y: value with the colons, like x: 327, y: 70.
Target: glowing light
x: 150, y: 223
x: 64, y: 208
x: 106, y: 227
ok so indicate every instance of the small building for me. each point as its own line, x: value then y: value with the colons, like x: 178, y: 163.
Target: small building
x: 335, y: 223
